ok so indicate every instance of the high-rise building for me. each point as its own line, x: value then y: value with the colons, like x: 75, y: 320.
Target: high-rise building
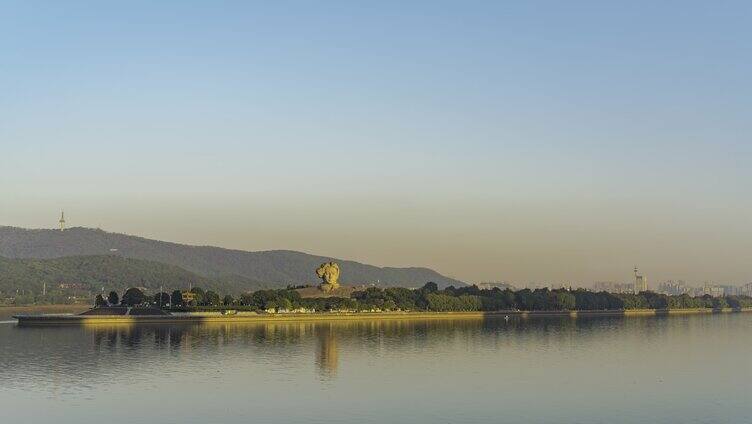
x: 612, y: 287
x: 711, y: 289
x: 729, y: 290
x: 62, y: 221
x: 501, y: 285
x: 672, y: 287
x: 641, y: 283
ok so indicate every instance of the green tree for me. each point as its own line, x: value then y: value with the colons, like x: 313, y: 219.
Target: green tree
x: 161, y: 299
x: 525, y: 299
x: 402, y: 298
x: 26, y: 299
x: 390, y: 305
x: 177, y: 298
x: 246, y: 299
x: 655, y: 300
x: 371, y: 298
x: 113, y: 298
x: 430, y: 287
x: 507, y: 299
x: 132, y: 297
x: 739, y: 301
x: 265, y: 299
x: 720, y: 302
x: 199, y: 295
x: 292, y: 295
x: 228, y: 300
x: 284, y: 303
x: 561, y: 300
x: 99, y: 301
x: 211, y: 299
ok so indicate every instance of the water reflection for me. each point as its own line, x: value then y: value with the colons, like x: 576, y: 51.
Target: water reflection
x: 78, y: 351
x: 326, y: 353
x: 474, y: 365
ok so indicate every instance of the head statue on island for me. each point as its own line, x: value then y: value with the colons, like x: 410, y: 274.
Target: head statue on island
x: 329, y: 273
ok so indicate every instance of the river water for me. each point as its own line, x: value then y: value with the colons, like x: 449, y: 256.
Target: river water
x: 678, y: 369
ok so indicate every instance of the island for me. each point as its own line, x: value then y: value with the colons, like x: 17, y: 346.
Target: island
x: 330, y: 301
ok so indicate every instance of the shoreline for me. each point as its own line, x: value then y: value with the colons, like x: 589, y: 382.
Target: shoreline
x: 7, y: 311
x: 216, y: 317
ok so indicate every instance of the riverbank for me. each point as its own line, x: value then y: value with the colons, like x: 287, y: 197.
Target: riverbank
x: 7, y: 312
x: 211, y: 317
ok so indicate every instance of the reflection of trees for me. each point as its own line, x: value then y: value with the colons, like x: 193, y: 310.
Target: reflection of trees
x: 109, y: 353
x: 366, y: 333
x: 393, y: 335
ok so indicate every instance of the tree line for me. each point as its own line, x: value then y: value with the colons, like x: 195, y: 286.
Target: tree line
x: 426, y: 298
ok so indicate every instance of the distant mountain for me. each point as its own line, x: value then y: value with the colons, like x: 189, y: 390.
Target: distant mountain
x: 110, y: 272
x: 276, y: 268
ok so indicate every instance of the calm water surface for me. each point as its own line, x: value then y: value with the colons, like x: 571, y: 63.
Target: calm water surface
x: 599, y: 370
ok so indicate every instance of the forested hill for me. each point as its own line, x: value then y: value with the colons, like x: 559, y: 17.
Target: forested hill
x: 110, y: 272
x: 276, y: 267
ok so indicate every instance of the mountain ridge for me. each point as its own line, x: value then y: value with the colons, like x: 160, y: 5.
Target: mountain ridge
x: 276, y: 267
x: 110, y: 272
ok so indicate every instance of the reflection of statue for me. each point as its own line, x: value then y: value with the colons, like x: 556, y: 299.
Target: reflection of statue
x: 326, y: 356
x: 329, y: 273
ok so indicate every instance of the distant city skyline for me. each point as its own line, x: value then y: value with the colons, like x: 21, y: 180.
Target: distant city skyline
x: 488, y: 141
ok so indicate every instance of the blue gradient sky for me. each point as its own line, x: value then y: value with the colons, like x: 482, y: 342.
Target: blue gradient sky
x: 527, y: 141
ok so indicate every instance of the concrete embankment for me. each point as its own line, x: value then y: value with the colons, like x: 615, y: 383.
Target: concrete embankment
x: 628, y: 312
x: 7, y: 312
x: 209, y: 317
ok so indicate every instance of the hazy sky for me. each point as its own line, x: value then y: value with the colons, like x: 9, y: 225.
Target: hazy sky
x: 521, y: 141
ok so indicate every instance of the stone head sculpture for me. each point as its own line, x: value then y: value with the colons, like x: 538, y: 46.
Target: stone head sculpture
x: 329, y: 274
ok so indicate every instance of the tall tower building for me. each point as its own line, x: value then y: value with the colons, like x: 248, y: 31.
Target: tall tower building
x: 640, y: 283
x: 62, y: 221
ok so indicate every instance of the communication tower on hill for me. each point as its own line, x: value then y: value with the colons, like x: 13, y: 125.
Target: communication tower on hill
x: 62, y: 221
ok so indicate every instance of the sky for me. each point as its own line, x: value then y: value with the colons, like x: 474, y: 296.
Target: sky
x: 506, y: 141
